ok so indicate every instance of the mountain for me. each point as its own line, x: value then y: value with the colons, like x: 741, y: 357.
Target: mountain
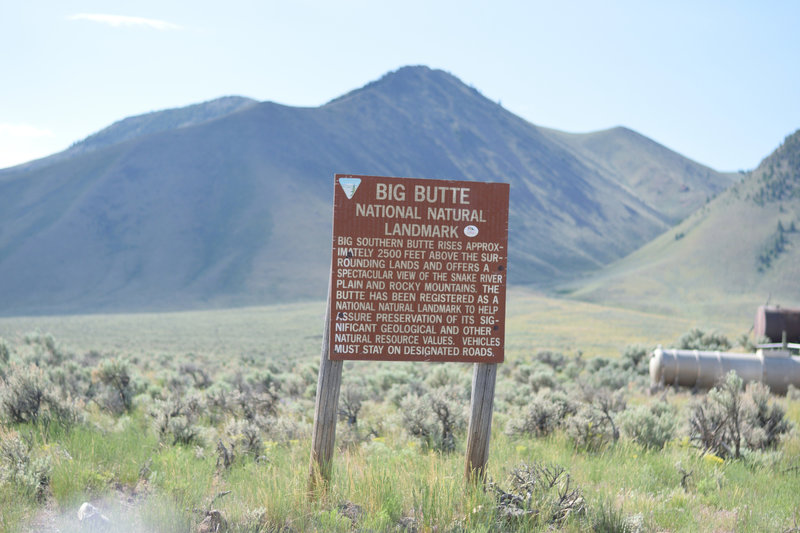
x: 737, y: 252
x: 229, y: 202
x: 154, y: 122
x: 663, y: 179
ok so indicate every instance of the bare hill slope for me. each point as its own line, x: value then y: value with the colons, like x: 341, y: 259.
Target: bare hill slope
x: 736, y: 253
x: 229, y: 202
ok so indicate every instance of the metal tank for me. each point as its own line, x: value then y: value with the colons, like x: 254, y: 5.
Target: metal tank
x: 776, y: 323
x: 702, y: 369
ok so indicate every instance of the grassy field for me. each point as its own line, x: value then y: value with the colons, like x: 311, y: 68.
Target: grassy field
x: 535, y: 322
x: 161, y: 420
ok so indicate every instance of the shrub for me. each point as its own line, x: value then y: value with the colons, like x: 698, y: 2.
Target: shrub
x: 200, y: 377
x: 434, y: 417
x: 697, y: 339
x: 415, y: 414
x: 5, y: 352
x: 539, y: 494
x: 545, y: 412
x: 613, y: 376
x: 764, y: 420
x: 450, y: 416
x: 117, y: 390
x: 226, y: 455
x: 264, y: 383
x: 594, y: 424
x: 651, y: 426
x: 71, y: 380
x: 529, y: 379
x: 635, y: 358
x: 398, y: 392
x: 793, y: 393
x: 285, y: 429
x: 246, y: 437
x: 350, y: 401
x: 182, y: 430
x: 707, y: 422
x: 27, y: 396
x: 542, y: 379
x: 727, y: 419
x: 715, y: 422
x: 554, y: 360
x: 609, y: 403
x: 175, y: 418
x: 604, y: 373
x: 449, y: 376
x: 596, y: 363
x: 22, y: 395
x: 254, y: 405
x: 20, y: 467
x: 751, y: 345
x: 45, y: 350
x: 219, y: 403
x: 574, y: 367
x: 256, y: 396
x: 384, y: 379
x: 588, y: 429
x: 293, y: 385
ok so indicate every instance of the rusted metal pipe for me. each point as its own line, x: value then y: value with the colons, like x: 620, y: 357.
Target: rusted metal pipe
x: 778, y: 323
x: 702, y: 369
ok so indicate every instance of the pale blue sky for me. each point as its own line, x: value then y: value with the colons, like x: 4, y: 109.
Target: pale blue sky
x: 716, y: 81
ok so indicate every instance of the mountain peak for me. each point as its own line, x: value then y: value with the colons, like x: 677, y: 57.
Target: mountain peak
x: 417, y: 73
x: 408, y: 80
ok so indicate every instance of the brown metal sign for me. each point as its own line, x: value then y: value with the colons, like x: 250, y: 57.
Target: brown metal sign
x: 418, y: 270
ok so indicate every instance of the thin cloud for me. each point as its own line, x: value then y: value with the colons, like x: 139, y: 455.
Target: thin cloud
x: 118, y: 21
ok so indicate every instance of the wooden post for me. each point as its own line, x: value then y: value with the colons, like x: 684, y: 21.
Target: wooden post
x: 326, y: 410
x: 480, y: 421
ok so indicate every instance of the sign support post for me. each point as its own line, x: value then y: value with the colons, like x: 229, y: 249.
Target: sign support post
x: 325, y: 411
x: 480, y: 421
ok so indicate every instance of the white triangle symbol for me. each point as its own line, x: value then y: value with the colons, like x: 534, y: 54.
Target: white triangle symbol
x: 349, y: 186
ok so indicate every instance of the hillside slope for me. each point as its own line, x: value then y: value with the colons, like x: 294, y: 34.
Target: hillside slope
x: 663, y: 179
x: 734, y: 254
x: 235, y: 207
x: 147, y: 124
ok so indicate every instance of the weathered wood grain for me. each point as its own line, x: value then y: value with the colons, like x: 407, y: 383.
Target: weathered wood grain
x: 323, y: 437
x: 480, y: 421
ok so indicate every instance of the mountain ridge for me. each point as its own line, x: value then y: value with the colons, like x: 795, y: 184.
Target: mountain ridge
x: 652, y: 178
x: 733, y: 254
x: 145, y: 124
x: 235, y: 210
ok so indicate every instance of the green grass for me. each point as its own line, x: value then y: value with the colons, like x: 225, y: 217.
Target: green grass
x: 595, y: 330
x: 388, y: 479
x: 15, y: 508
x: 294, y: 331
x: 91, y: 459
